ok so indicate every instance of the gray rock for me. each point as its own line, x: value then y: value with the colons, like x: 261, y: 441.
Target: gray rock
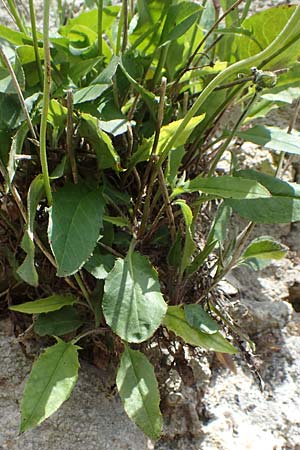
x: 88, y: 420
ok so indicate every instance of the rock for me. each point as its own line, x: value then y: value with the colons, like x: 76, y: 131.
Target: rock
x: 88, y: 420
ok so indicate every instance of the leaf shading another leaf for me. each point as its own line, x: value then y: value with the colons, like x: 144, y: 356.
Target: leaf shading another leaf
x: 138, y: 389
x: 175, y: 321
x: 50, y: 383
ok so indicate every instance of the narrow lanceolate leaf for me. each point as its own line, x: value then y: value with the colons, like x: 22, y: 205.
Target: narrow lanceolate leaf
x: 74, y: 225
x: 272, y: 138
x: 262, y: 251
x: 224, y: 187
x: 50, y: 383
x: 138, y: 389
x: 176, y: 322
x: 189, y: 244
x: 200, y: 319
x: 16, y: 149
x: 27, y: 270
x: 133, y: 305
x: 45, y: 305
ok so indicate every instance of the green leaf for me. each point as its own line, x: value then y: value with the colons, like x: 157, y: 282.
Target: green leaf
x: 16, y: 149
x: 218, y: 231
x: 7, y: 85
x: 272, y: 138
x: 179, y: 19
x: 201, y: 257
x: 175, y: 321
x: 99, y: 265
x: 167, y: 131
x: 274, y: 185
x: 50, y: 383
x: 174, y: 162
x: 189, y: 245
x: 133, y: 305
x: 74, y: 224
x: 45, y: 305
x: 265, y: 27
x: 224, y: 187
x: 268, y: 210
x: 89, y: 93
x: 287, y: 95
x: 200, y: 319
x: 12, y: 36
x: 58, y: 323
x: 90, y: 129
x: 27, y: 270
x: 138, y: 389
x: 262, y: 251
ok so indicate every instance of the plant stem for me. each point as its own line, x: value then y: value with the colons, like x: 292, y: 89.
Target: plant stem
x: 16, y: 16
x: 70, y: 149
x: 46, y: 98
x: 225, y: 145
x: 125, y: 26
x: 210, y: 31
x: 246, y: 10
x: 282, y: 38
x: 161, y: 64
x: 289, y: 131
x: 35, y: 42
x: 100, y: 26
x: 18, y: 90
x: 83, y: 290
x: 88, y: 333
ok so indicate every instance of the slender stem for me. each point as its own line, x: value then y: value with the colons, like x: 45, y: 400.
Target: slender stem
x: 98, y: 330
x: 225, y: 145
x: 70, y: 149
x: 83, y: 289
x: 46, y: 98
x: 125, y: 26
x: 246, y: 10
x: 153, y: 159
x: 210, y: 31
x: 18, y: 90
x: 289, y: 131
x: 35, y: 42
x: 161, y: 64
x: 119, y: 33
x: 100, y: 26
x: 285, y: 34
x: 167, y: 202
x: 16, y: 16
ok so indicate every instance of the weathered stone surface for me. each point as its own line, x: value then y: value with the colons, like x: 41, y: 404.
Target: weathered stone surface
x: 88, y: 420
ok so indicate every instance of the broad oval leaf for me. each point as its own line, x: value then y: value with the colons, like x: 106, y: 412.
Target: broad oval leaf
x: 176, y: 322
x: 138, y: 389
x: 100, y: 264
x: 45, y: 305
x: 74, y: 225
x: 224, y: 187
x: 133, y: 305
x: 199, y: 319
x: 50, y: 383
x: 58, y: 323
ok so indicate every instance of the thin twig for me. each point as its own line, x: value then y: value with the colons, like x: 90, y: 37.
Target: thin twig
x: 70, y: 149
